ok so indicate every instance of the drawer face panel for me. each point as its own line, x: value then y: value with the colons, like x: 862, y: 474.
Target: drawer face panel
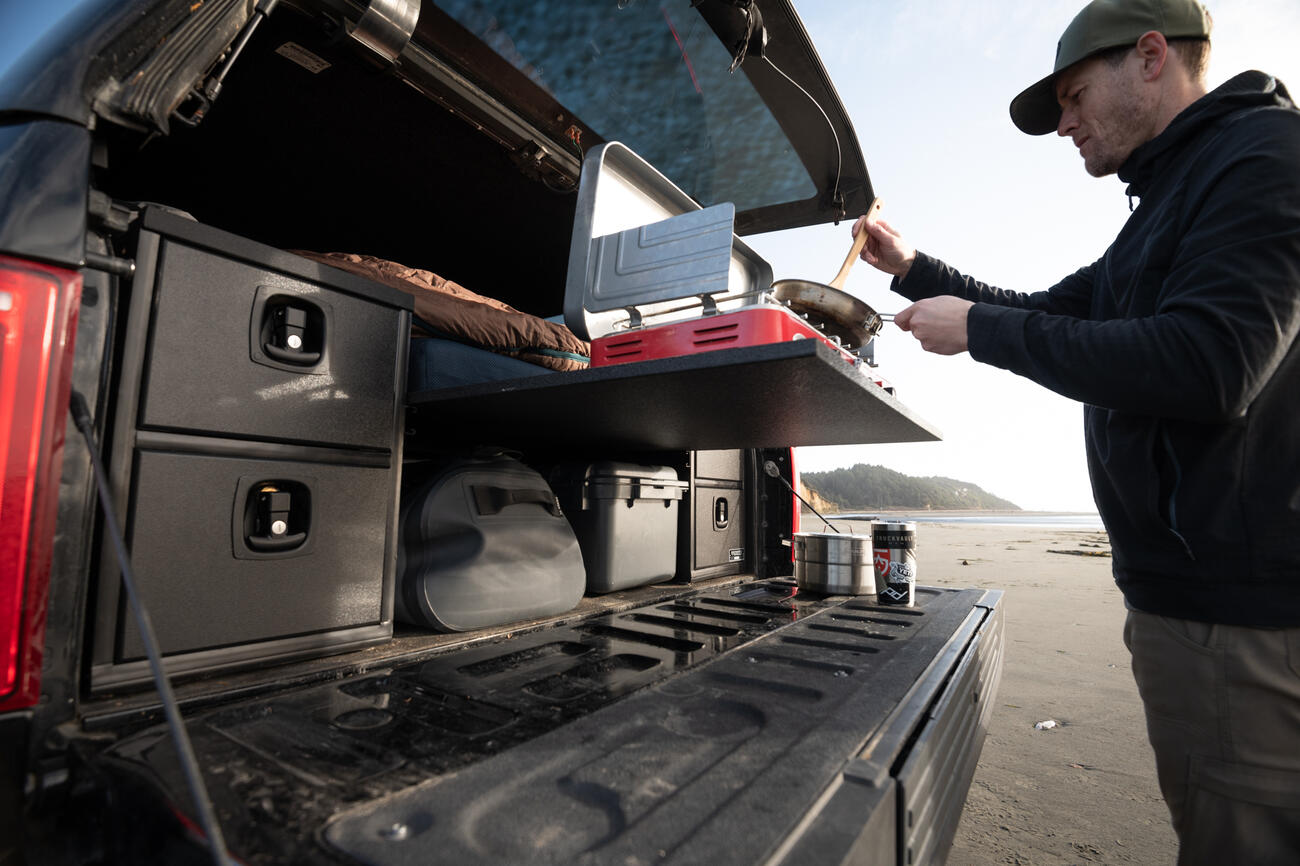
x: 719, y: 536
x: 720, y: 465
x: 238, y: 350
x: 212, y: 570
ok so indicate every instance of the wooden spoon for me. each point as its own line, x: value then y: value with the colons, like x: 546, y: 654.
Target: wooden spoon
x: 873, y: 213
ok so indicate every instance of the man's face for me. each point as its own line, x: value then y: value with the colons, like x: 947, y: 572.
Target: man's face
x: 1103, y: 110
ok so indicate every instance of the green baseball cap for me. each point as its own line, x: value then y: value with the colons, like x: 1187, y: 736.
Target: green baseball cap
x: 1104, y: 24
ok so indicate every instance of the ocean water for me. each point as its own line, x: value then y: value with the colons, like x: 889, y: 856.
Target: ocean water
x: 1045, y: 520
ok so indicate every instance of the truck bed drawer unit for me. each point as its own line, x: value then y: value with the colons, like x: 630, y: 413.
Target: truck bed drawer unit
x: 255, y: 458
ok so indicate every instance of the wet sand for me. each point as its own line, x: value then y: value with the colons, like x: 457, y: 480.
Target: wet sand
x: 1085, y: 790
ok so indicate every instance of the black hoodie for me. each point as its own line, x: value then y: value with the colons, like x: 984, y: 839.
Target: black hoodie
x: 1181, y: 340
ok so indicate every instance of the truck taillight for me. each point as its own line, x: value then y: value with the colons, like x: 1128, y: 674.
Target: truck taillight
x: 38, y: 316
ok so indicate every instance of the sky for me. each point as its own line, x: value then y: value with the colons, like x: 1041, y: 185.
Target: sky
x: 927, y: 84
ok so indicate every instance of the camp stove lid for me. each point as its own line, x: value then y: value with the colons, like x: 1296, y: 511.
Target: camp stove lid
x: 641, y: 247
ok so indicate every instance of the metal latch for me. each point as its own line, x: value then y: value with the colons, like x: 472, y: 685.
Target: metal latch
x: 290, y: 326
x: 279, y: 518
x: 721, y: 513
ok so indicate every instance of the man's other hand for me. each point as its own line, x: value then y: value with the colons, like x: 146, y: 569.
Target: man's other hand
x: 938, y: 323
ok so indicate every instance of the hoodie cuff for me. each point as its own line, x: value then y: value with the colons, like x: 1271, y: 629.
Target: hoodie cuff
x: 994, y: 332
x: 922, y: 280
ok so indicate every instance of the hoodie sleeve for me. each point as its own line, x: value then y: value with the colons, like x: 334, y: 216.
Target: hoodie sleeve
x: 929, y: 278
x: 1226, y: 309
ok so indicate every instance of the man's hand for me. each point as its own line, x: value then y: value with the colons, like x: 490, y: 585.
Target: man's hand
x: 938, y: 323
x: 885, y: 248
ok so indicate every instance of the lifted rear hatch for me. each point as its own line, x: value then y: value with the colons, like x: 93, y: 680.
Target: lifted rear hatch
x: 732, y: 104
x: 729, y: 100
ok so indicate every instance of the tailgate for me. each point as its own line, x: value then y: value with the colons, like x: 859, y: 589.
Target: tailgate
x: 740, y: 725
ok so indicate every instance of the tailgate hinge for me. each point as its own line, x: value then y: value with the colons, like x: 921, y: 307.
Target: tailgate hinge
x: 386, y: 27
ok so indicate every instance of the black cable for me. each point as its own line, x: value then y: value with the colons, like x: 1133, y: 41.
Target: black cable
x: 185, y: 750
x: 839, y: 151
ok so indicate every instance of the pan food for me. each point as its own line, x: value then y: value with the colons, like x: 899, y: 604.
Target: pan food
x: 828, y: 307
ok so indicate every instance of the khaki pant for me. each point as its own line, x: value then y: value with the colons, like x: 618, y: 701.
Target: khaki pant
x: 1223, y: 715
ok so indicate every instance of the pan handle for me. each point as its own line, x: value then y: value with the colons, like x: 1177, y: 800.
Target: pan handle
x: 873, y: 213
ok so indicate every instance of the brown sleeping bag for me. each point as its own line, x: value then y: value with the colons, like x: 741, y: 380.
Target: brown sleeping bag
x: 459, y: 314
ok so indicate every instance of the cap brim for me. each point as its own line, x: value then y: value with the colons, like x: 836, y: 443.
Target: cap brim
x: 1036, y: 111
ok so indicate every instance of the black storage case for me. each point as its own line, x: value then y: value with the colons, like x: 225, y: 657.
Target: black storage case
x: 483, y: 542
x: 625, y: 517
x: 714, y: 522
x: 256, y: 455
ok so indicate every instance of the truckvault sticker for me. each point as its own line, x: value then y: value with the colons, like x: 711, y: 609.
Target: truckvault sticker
x: 311, y: 62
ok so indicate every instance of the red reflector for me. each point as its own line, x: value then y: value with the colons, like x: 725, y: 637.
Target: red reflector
x: 38, y: 315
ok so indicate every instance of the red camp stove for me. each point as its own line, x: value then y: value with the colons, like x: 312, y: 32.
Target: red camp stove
x: 653, y: 275
x: 750, y: 326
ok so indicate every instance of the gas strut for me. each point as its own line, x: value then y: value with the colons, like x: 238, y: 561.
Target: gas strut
x: 207, y: 94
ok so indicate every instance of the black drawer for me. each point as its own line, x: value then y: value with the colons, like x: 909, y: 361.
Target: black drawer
x: 720, y: 523
x: 219, y: 362
x: 213, y: 575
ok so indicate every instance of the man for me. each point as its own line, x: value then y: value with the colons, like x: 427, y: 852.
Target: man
x: 1181, y: 340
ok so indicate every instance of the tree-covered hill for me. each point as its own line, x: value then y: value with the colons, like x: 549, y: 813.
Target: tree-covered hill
x: 867, y: 488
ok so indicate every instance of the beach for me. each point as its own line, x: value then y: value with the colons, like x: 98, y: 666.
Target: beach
x: 1082, y: 790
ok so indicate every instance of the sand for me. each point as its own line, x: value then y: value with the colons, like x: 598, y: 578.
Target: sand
x: 1085, y: 790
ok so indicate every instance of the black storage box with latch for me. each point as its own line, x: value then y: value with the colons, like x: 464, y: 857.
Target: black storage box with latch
x: 257, y: 457
x: 715, y: 531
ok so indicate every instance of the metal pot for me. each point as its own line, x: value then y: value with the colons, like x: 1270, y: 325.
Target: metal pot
x: 834, y: 563
x: 828, y: 307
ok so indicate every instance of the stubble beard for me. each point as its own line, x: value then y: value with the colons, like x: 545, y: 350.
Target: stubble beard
x: 1116, y: 130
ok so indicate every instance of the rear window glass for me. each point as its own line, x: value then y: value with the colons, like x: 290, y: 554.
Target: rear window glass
x: 651, y: 74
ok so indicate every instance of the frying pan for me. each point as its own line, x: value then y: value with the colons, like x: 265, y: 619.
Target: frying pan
x: 829, y: 307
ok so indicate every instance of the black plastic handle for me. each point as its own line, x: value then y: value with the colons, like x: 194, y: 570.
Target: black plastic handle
x: 492, y: 500
x: 266, y: 544
x: 721, y: 512
x: 287, y: 356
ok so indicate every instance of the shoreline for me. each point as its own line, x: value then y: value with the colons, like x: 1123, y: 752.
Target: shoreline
x: 1074, y: 520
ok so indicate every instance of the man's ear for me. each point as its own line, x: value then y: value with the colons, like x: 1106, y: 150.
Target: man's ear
x: 1153, y: 51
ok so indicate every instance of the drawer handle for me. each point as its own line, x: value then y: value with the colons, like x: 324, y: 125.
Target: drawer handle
x: 270, y: 544
x: 721, y: 512
x: 280, y: 513
x: 289, y: 356
x: 292, y: 332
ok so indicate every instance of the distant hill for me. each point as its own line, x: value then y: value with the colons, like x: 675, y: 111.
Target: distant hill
x: 869, y: 488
